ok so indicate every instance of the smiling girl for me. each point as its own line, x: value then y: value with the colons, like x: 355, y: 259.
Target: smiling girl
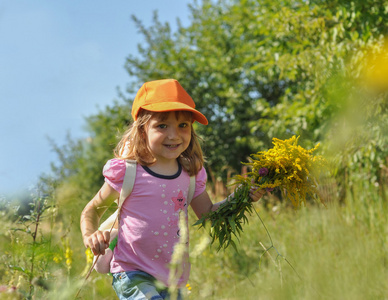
x: 165, y: 146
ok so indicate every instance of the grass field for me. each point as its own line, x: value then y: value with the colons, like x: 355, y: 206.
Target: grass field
x: 333, y: 252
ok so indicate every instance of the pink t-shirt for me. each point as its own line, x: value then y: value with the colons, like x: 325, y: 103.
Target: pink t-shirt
x: 149, y: 219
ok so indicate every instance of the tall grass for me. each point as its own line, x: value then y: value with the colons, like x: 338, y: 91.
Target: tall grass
x: 336, y: 252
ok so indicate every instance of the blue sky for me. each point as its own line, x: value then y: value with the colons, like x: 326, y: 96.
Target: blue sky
x: 59, y: 62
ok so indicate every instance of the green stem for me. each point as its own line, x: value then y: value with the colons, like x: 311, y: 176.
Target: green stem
x: 265, y: 227
x: 31, y: 277
x: 272, y: 246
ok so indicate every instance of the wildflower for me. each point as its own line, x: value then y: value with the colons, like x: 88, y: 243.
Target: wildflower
x: 263, y: 172
x: 293, y: 167
x: 57, y: 259
x: 69, y: 256
x: 89, y: 256
x: 89, y: 261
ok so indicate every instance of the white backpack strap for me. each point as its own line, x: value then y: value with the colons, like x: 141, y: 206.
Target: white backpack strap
x: 190, y: 194
x: 129, y: 181
x: 126, y: 189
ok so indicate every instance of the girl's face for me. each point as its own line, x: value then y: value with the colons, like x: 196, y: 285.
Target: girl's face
x: 168, y: 135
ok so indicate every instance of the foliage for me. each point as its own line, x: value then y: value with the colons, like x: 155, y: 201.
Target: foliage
x: 260, y: 69
x: 357, y: 136
x: 227, y: 221
x: 31, y: 251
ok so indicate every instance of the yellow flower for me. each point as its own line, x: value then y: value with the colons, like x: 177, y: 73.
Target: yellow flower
x: 291, y: 167
x: 69, y: 256
x: 89, y: 256
x: 57, y: 259
x: 68, y: 253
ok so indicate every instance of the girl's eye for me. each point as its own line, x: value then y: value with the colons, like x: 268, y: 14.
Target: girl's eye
x: 183, y: 125
x: 162, y: 126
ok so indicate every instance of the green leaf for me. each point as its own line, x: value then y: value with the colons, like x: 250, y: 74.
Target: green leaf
x: 232, y: 224
x: 233, y: 245
x: 17, y: 268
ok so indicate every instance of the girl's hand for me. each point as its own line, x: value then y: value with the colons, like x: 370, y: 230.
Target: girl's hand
x: 98, y: 241
x: 255, y: 194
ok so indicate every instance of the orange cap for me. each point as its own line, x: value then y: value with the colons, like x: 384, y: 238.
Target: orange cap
x: 165, y: 95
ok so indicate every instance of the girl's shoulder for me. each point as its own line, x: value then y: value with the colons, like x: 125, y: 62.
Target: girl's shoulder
x: 114, y: 172
x: 200, y: 182
x: 114, y: 169
x: 202, y: 175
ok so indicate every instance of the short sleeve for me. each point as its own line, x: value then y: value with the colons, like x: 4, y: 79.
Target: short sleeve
x: 114, y: 172
x: 200, y: 182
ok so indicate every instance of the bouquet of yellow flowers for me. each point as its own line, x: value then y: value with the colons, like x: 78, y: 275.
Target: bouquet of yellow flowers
x: 287, y: 166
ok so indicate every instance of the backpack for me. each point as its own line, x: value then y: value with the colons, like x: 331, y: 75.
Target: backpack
x: 102, y: 262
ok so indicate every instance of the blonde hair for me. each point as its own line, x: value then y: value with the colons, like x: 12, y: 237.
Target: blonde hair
x: 133, y: 143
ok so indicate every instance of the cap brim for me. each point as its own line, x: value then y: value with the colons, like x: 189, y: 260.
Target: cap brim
x: 168, y: 106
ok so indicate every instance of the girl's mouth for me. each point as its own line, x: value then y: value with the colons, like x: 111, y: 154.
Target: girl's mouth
x: 172, y: 146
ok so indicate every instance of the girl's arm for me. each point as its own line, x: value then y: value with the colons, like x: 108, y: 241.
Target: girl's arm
x: 97, y: 241
x: 202, y: 204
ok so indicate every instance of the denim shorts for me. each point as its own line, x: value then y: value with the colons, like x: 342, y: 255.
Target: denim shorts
x: 138, y: 285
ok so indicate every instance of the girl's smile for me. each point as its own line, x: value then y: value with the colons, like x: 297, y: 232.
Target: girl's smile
x: 168, y: 137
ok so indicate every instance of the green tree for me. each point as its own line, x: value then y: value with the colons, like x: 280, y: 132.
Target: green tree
x: 256, y: 69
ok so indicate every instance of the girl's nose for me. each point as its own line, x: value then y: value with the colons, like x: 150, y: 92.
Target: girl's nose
x: 172, y: 133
